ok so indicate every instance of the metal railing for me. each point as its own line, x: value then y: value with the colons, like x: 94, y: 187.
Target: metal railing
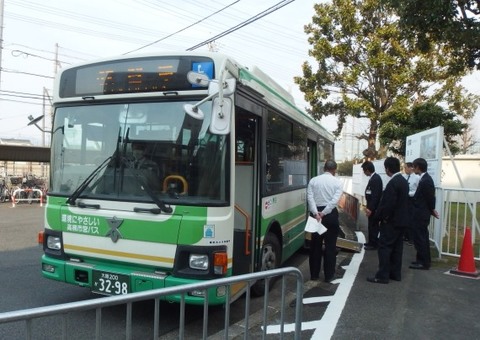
x: 99, y: 304
x: 458, y: 209
x: 27, y: 195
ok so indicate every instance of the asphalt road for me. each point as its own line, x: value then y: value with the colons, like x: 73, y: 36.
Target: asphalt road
x: 23, y: 287
x: 425, y: 305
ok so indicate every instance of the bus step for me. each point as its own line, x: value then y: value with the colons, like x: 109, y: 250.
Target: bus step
x: 349, y: 245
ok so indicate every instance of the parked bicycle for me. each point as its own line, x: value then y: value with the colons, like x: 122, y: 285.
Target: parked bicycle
x: 4, y: 193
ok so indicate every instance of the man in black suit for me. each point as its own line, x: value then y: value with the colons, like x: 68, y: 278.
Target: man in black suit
x: 424, y: 207
x: 392, y: 213
x: 373, y: 193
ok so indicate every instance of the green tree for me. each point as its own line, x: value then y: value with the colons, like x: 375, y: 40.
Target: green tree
x: 398, y: 127
x: 366, y: 68
x: 455, y: 23
x: 345, y: 168
x: 467, y: 140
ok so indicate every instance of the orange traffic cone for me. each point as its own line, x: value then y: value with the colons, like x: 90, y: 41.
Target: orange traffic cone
x: 466, y: 265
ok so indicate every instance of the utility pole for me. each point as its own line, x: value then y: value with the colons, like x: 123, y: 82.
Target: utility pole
x: 56, y: 61
x: 43, y: 113
x: 2, y: 6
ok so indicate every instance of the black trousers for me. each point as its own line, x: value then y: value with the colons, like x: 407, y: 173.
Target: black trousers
x: 410, y: 232
x: 421, y: 242
x: 390, y: 252
x: 373, y: 228
x: 329, y: 238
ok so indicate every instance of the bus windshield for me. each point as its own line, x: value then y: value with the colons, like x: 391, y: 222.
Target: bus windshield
x: 151, y: 149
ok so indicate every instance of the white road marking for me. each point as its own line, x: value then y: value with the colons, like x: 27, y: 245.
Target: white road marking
x: 317, y: 299
x: 325, y: 327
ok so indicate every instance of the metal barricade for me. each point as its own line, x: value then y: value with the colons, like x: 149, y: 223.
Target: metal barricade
x: 349, y: 204
x: 16, y: 196
x: 458, y: 209
x: 98, y: 304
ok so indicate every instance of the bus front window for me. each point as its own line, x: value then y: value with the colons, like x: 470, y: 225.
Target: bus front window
x: 153, y: 149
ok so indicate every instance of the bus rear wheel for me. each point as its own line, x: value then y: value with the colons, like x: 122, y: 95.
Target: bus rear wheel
x: 270, y: 259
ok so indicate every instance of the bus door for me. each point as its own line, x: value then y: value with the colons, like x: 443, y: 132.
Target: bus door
x: 246, y: 179
x: 312, y: 159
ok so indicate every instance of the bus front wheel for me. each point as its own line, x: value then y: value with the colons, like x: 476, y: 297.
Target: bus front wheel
x: 270, y: 259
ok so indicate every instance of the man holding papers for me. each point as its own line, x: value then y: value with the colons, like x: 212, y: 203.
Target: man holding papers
x: 323, y: 194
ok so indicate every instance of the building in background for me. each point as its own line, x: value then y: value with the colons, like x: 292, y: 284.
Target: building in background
x: 20, y: 169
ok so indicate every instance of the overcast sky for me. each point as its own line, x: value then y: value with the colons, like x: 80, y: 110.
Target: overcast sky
x: 86, y: 30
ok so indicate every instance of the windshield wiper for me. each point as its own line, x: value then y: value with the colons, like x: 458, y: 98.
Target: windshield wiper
x: 145, y: 188
x: 154, y: 197
x: 81, y: 188
x: 155, y: 211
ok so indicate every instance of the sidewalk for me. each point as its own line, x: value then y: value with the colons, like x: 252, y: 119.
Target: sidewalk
x: 424, y: 305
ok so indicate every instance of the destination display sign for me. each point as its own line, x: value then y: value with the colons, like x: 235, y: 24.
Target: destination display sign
x: 135, y: 75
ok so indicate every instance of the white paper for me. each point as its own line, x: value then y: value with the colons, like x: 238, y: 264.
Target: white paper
x: 313, y: 226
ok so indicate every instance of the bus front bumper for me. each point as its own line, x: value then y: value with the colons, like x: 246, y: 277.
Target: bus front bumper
x: 115, y: 280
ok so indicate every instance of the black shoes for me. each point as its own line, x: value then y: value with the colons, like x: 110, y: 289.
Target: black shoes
x: 329, y: 280
x: 375, y: 280
x: 368, y: 246
x: 416, y: 265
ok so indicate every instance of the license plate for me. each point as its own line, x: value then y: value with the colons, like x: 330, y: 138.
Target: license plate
x: 110, y: 283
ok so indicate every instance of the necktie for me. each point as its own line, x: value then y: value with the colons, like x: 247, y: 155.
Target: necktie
x: 408, y: 178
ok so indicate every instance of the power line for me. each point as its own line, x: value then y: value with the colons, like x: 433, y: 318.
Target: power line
x: 21, y: 94
x: 81, y: 17
x: 279, y: 31
x: 243, y: 24
x: 183, y: 29
x: 49, y: 52
x: 282, y: 32
x: 20, y: 101
x: 72, y: 28
x: 18, y: 53
x: 28, y: 73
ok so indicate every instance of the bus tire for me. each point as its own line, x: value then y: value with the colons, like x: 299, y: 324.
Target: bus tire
x: 270, y: 259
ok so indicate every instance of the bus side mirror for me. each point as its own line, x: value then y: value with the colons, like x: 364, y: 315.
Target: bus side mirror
x: 222, y: 107
x: 221, y: 116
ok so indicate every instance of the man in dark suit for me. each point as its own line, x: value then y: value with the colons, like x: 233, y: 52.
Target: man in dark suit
x: 392, y: 213
x: 424, y: 207
x: 373, y: 193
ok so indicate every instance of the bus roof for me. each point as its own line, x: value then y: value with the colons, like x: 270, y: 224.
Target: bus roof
x: 253, y: 78
x: 280, y: 98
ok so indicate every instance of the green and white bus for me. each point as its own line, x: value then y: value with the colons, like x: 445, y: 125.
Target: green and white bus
x: 228, y: 156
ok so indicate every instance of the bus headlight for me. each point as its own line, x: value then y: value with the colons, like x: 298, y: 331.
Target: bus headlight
x: 54, y: 242
x: 199, y: 262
